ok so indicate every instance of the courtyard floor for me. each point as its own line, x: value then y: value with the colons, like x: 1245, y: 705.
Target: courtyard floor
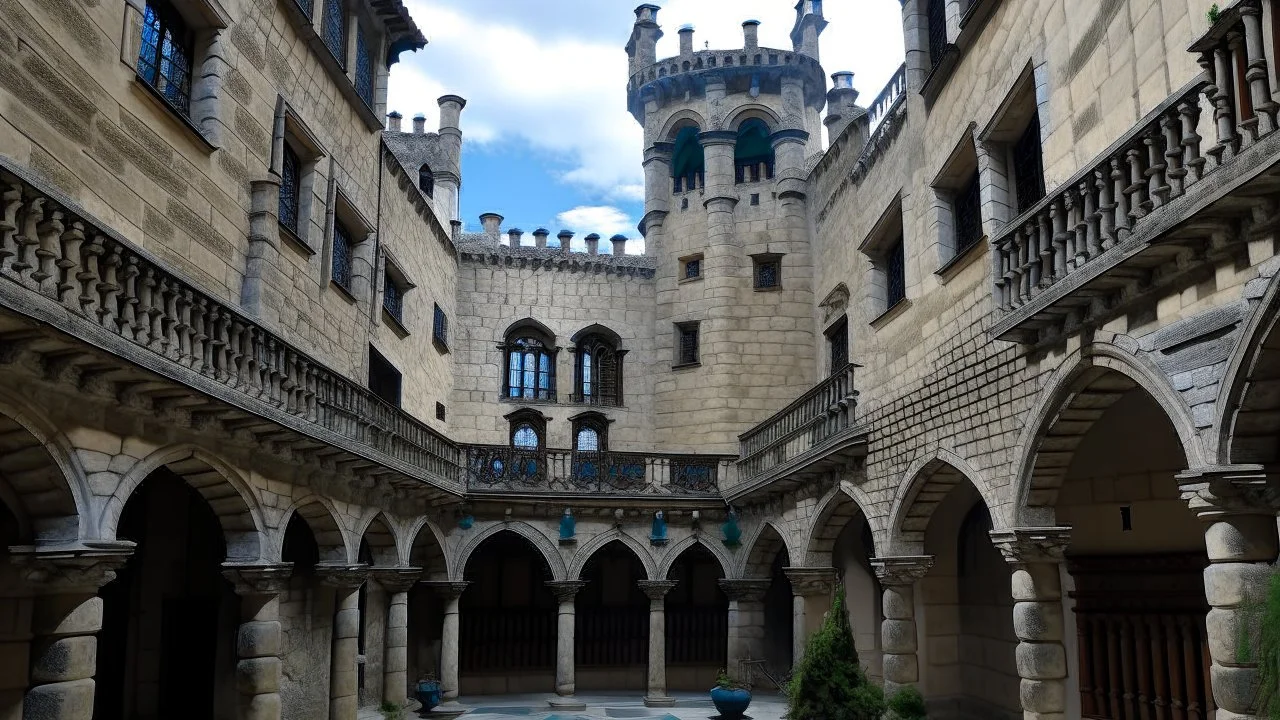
x: 603, y: 706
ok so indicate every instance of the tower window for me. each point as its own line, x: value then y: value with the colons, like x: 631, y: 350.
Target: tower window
x: 598, y: 371
x: 440, y: 328
x: 753, y: 152
x: 768, y: 272
x: 530, y: 364
x: 688, y: 164
x: 426, y: 181
x: 164, y: 57
x: 937, y: 20
x: 691, y: 267
x: 687, y: 343
x: 393, y: 297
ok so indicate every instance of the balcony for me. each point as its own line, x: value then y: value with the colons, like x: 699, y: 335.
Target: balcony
x: 813, y: 435
x: 108, y: 316
x: 1156, y: 210
x: 536, y: 472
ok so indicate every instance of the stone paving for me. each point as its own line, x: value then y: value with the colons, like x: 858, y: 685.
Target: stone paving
x: 689, y: 706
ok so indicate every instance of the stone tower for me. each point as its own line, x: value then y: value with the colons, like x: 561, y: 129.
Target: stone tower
x: 727, y: 134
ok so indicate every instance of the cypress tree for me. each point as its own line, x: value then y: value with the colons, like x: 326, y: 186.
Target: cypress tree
x: 829, y: 682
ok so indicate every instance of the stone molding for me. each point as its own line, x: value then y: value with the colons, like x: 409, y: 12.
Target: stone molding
x: 656, y: 589
x: 1230, y: 490
x: 446, y: 589
x: 811, y: 581
x: 565, y: 590
x: 745, y: 590
x: 264, y: 579
x: 81, y: 568
x: 901, y: 569
x: 1029, y: 545
x: 396, y: 579
x: 343, y: 576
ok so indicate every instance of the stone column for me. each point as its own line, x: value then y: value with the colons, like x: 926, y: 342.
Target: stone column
x: 746, y: 623
x: 450, y: 592
x: 805, y: 583
x: 1035, y: 554
x: 395, y: 665
x: 1238, y: 508
x: 899, y: 643
x: 346, y: 581
x: 66, y: 615
x: 565, y: 590
x: 656, y: 591
x: 259, y: 639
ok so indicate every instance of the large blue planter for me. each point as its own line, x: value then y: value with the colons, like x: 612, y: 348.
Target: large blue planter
x: 428, y: 694
x: 730, y: 703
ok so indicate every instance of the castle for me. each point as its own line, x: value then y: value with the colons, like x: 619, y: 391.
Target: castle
x: 999, y: 357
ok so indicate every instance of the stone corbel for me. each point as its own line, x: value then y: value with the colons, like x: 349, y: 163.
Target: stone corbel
x: 565, y: 590
x: 1230, y: 490
x: 447, y: 589
x: 396, y: 579
x: 84, y: 568
x: 901, y: 569
x: 258, y: 579
x: 1032, y: 545
x: 811, y: 581
x: 656, y: 589
x: 343, y: 576
x: 745, y: 590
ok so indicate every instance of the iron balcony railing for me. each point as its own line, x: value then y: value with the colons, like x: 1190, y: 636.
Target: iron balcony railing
x: 802, y: 428
x: 505, y: 468
x: 67, y: 257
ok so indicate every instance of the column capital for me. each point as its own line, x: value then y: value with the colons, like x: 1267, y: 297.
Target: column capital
x: 396, y: 579
x: 564, y: 590
x: 1230, y: 490
x: 1028, y: 545
x: 80, y: 568
x: 710, y: 138
x: 745, y: 589
x: 258, y: 579
x: 447, y: 589
x: 342, y: 576
x: 807, y: 581
x: 901, y: 569
x: 656, y: 589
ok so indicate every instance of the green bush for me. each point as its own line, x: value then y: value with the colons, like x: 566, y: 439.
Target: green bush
x: 829, y: 683
x: 1264, y: 646
x: 1214, y: 13
x: 391, y: 711
x: 907, y: 704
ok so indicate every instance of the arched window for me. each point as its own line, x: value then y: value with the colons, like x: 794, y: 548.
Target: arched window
x: 688, y: 164
x: 753, y: 153
x: 587, y: 439
x: 598, y: 368
x: 426, y: 181
x: 528, y: 429
x: 530, y: 364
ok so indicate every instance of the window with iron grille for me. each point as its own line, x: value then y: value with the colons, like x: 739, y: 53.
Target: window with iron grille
x: 384, y: 379
x: 687, y: 343
x: 598, y: 372
x: 525, y: 436
x: 393, y: 298
x: 364, y: 66
x: 334, y: 29
x: 164, y: 57
x: 587, y: 439
x: 937, y: 30
x: 290, y: 189
x: 440, y: 328
x: 1028, y: 166
x: 426, y: 181
x: 838, y: 340
x: 693, y: 268
x: 306, y: 6
x: 530, y: 369
x: 342, y: 245
x: 968, y: 214
x: 895, y: 272
x: 440, y: 411
x: 768, y: 273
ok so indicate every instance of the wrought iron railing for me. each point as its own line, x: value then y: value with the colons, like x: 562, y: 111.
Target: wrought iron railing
x: 69, y: 258
x: 1162, y: 158
x: 505, y: 468
x: 806, y: 425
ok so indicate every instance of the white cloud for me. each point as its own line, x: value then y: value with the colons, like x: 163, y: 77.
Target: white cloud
x: 603, y: 219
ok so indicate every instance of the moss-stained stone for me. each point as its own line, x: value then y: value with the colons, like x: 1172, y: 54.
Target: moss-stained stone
x: 233, y: 167
x: 69, y: 15
x: 108, y: 154
x: 156, y: 225
x: 247, y: 40
x: 198, y: 229
x: 238, y: 86
x: 279, y: 68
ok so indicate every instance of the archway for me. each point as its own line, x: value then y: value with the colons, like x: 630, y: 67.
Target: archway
x: 34, y: 482
x: 426, y: 607
x: 508, y: 619
x: 611, y: 636
x: 774, y: 647
x: 306, y: 610
x: 697, y: 617
x: 842, y: 539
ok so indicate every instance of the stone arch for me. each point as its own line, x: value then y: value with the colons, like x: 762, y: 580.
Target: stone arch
x: 678, y: 121
x: 376, y: 532
x: 675, y: 551
x: 218, y: 483
x: 589, y: 548
x: 764, y: 546
x: 41, y: 478
x: 597, y: 329
x: 540, y: 542
x: 754, y: 111
x: 928, y: 480
x: 1087, y: 383
x: 425, y: 549
x: 526, y: 323
x: 835, y: 511
x: 1245, y: 414
x: 321, y: 518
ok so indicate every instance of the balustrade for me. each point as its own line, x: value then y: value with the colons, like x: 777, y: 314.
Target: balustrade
x: 806, y: 425
x: 887, y: 100
x: 499, y: 467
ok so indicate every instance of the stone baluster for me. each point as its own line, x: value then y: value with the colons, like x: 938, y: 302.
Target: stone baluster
x: 1238, y: 508
x: 1118, y: 178
x: 1045, y: 232
x: 1091, y: 243
x: 185, y: 329
x: 346, y: 581
x: 169, y: 319
x: 236, y: 376
x: 1259, y: 83
x: 1022, y: 240
x: 1035, y: 554
x: 746, y: 622
x: 1075, y: 238
x: 259, y: 639
x: 1247, y: 119
x: 566, y: 618
x: 1138, y: 205
x: 89, y: 277
x: 1218, y: 70
x: 1106, y: 210
x: 250, y: 363
x: 656, y: 591
x: 140, y: 317
x: 129, y: 327
x: 49, y: 234
x: 806, y: 583
x: 1058, y: 218
x: 898, y: 577
x: 27, y: 238
x: 1192, y: 162
x: 72, y: 240
x: 1171, y: 125
x: 1008, y: 292
x: 450, y: 592
x: 395, y: 663
x: 1158, y: 190
x: 200, y: 352
x: 10, y: 204
x: 108, y: 288
x: 1032, y: 272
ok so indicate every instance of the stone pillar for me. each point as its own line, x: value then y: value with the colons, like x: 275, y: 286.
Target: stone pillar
x: 656, y: 591
x: 898, y: 639
x: 66, y: 615
x: 565, y: 590
x: 746, y: 623
x: 259, y: 638
x: 1238, y: 508
x: 346, y: 581
x: 1035, y: 554
x: 395, y: 664
x: 450, y: 592
x: 805, y: 583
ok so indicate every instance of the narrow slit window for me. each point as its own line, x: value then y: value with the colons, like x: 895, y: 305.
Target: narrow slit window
x: 342, y: 245
x: 290, y: 189
x: 968, y: 215
x: 687, y: 346
x: 896, y: 273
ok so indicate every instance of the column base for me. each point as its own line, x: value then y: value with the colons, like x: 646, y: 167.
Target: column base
x: 566, y: 702
x: 659, y: 701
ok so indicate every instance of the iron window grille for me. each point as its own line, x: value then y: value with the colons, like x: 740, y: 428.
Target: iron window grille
x: 839, y: 342
x: 342, y: 245
x: 587, y: 439
x: 599, y: 373
x: 426, y: 181
x: 1028, y: 166
x: 937, y: 31
x: 334, y: 29
x: 164, y: 57
x: 896, y: 273
x: 290, y: 184
x: 393, y: 298
x: 968, y: 215
x: 306, y: 6
x: 530, y: 370
x: 440, y: 327
x: 364, y: 67
x: 525, y: 436
x: 768, y: 273
x: 384, y: 379
x: 693, y: 268
x: 688, y: 343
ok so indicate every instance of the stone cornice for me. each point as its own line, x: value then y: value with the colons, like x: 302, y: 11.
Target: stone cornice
x: 78, y: 568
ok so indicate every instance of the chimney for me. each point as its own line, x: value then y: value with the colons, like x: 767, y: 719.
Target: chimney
x: 540, y: 237
x: 419, y: 124
x: 565, y: 237
x: 450, y: 111
x: 593, y: 244
x: 619, y: 244
x: 842, y: 107
x: 686, y: 40
x: 643, y: 45
x: 513, y: 237
x: 751, y: 35
x: 393, y: 121
x: 492, y: 224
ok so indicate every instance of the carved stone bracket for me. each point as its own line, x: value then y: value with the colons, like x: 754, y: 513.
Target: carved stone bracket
x: 656, y: 589
x: 264, y: 579
x: 1227, y: 490
x: 564, y: 590
x: 447, y: 589
x: 83, y: 568
x: 811, y: 581
x: 901, y: 569
x: 343, y: 576
x: 396, y: 579
x: 746, y: 590
x: 1023, y: 546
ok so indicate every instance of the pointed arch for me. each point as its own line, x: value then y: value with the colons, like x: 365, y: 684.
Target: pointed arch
x: 376, y: 532
x: 425, y: 549
x: 763, y: 546
x: 1244, y: 425
x: 230, y: 497
x: 41, y: 477
x: 589, y: 548
x: 835, y: 511
x: 676, y: 550
x: 928, y: 480
x: 540, y: 543
x: 321, y: 518
x: 598, y: 329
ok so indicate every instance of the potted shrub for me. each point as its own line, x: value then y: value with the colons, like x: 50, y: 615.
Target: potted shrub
x: 730, y: 697
x: 829, y: 683
x: 428, y: 693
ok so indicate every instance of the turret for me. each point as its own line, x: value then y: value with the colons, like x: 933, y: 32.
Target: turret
x: 842, y: 107
x: 809, y: 26
x: 448, y: 180
x: 642, y: 48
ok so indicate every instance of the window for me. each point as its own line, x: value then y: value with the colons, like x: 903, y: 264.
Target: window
x: 937, y: 20
x: 384, y: 379
x: 530, y: 366
x: 688, y: 162
x: 590, y: 433
x: 342, y: 249
x: 958, y: 213
x: 691, y: 267
x: 426, y: 181
x: 838, y: 342
x: 768, y: 272
x: 165, y: 55
x: 686, y: 343
x: 295, y: 155
x: 440, y: 411
x: 896, y: 272
x: 440, y: 329
x: 968, y: 212
x: 290, y: 188
x: 364, y: 66
x: 598, y: 368
x: 1011, y: 147
x: 885, y: 246
x: 528, y: 430
x: 1028, y: 166
x: 393, y: 297
x: 753, y: 152
x: 334, y: 29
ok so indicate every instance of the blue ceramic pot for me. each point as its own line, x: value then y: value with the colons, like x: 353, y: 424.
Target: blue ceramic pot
x: 428, y: 694
x: 730, y: 703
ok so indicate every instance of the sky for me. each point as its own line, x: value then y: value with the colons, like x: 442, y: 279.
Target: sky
x: 547, y: 139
